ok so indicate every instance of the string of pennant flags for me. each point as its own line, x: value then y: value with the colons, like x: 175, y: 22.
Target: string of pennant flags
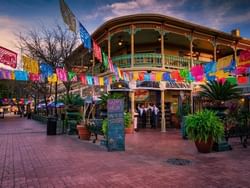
x: 198, y: 73
x: 225, y: 69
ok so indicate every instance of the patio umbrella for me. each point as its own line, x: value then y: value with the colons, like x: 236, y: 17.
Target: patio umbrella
x: 58, y: 105
x: 41, y: 105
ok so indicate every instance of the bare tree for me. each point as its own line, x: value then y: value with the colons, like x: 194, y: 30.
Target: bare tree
x: 52, y: 46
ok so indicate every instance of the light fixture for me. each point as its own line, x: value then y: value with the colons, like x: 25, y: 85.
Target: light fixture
x: 159, y: 39
x: 119, y: 85
x: 120, y: 41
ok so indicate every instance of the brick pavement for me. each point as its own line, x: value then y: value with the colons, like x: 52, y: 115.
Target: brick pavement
x: 29, y: 158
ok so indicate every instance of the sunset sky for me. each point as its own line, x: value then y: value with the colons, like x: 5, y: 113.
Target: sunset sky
x: 18, y: 15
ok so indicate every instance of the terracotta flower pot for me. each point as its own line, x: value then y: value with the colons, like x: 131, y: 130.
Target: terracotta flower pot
x: 83, y: 132
x: 129, y: 130
x: 203, y: 147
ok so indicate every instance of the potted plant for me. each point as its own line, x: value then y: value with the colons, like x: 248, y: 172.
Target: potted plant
x: 83, y: 131
x: 204, y: 128
x: 128, y: 123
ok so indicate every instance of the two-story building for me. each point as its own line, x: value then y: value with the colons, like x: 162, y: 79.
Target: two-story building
x: 154, y: 44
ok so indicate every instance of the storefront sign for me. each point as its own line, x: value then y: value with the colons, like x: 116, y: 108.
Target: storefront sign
x: 178, y: 85
x: 141, y: 95
x: 8, y: 57
x: 115, y: 136
x: 149, y: 84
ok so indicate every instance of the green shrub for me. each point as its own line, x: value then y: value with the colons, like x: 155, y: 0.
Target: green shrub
x: 203, y: 125
x: 127, y: 119
x: 105, y: 127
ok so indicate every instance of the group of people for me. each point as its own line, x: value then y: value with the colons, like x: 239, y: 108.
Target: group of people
x: 153, y: 114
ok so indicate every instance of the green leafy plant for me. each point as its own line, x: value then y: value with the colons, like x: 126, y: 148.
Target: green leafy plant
x: 72, y: 99
x: 203, y: 125
x: 127, y: 119
x: 104, y: 98
x: 105, y: 126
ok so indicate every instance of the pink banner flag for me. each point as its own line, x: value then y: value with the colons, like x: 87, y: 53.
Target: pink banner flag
x: 8, y: 57
x: 96, y: 81
x: 34, y: 77
x: 97, y: 51
x: 111, y: 66
x: 244, y: 58
x: 62, y: 74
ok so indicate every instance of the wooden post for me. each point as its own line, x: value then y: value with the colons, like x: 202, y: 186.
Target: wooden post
x: 109, y: 45
x: 191, y: 52
x: 162, y: 49
x: 215, y: 49
x: 132, y: 46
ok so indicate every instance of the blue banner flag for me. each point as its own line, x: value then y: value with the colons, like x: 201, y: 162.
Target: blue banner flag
x: 46, y: 70
x: 85, y: 37
x: 21, y: 75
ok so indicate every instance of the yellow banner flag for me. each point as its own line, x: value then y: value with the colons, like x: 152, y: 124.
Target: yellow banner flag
x: 12, y: 75
x: 224, y: 62
x: 52, y: 78
x: 30, y: 65
x: 221, y: 74
x: 119, y: 73
x: 101, y: 81
x: 135, y: 75
x: 158, y: 76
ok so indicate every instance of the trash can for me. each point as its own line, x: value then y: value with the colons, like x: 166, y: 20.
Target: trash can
x: 51, y: 126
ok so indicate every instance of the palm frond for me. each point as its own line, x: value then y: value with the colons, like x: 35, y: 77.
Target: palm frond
x: 219, y: 91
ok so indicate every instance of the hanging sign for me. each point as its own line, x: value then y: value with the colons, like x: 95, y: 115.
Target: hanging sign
x: 141, y: 95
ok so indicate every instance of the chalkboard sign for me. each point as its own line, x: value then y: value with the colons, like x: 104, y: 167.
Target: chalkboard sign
x: 115, y: 136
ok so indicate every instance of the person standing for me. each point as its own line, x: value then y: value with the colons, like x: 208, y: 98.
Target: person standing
x: 142, y: 115
x: 155, y: 113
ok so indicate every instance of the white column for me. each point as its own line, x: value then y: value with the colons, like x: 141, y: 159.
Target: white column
x: 163, y: 123
x: 132, y: 94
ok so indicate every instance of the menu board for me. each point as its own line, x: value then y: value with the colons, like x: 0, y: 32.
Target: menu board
x: 115, y: 136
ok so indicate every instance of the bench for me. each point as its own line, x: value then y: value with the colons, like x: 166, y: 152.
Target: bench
x: 243, y: 132
x: 95, y: 127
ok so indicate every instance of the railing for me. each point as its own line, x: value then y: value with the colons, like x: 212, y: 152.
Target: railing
x: 147, y: 59
x: 153, y: 60
x: 123, y: 61
x: 172, y: 61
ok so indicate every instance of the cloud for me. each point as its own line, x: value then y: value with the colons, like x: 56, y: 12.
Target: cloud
x: 116, y: 9
x: 7, y: 32
x: 218, y: 14
x: 8, y: 38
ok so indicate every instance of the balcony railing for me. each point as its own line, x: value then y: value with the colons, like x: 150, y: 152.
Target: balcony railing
x: 172, y: 61
x: 153, y: 60
x: 147, y: 59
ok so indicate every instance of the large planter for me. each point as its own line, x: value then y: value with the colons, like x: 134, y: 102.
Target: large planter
x: 83, y: 132
x: 203, y: 147
x: 129, y: 130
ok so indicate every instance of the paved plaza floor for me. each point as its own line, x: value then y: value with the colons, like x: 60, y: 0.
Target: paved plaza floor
x: 30, y: 158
